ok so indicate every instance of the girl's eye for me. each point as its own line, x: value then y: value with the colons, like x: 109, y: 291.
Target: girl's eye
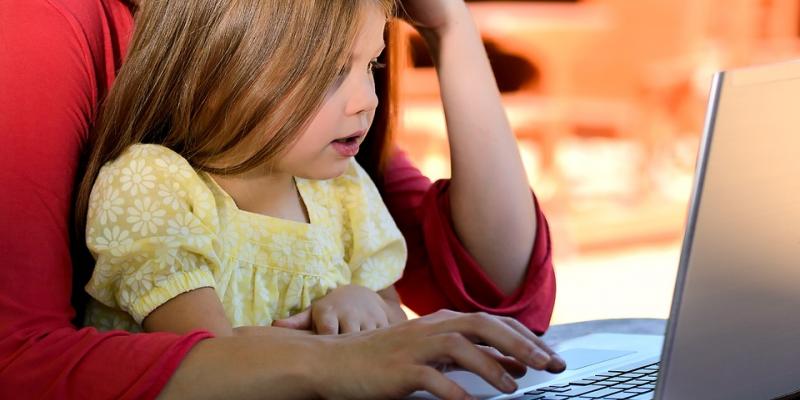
x: 374, y: 64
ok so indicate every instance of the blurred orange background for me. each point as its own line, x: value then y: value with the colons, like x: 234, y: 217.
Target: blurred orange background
x: 607, y: 100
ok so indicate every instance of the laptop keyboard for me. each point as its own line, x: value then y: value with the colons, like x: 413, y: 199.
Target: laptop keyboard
x: 632, y: 382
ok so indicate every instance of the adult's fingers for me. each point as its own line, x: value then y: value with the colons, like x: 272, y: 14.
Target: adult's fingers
x: 510, y: 364
x: 490, y: 330
x: 467, y: 355
x: 428, y: 378
x: 556, y: 364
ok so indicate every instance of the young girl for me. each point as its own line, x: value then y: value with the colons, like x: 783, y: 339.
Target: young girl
x: 222, y: 190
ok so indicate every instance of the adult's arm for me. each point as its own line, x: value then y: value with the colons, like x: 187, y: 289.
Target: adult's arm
x: 441, y: 272
x: 50, y: 73
x: 383, y: 363
x: 490, y: 201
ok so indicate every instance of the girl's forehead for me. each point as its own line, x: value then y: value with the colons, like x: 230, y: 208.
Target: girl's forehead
x: 369, y: 39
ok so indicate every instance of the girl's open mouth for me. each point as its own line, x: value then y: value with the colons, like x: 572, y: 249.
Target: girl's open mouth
x: 346, y: 147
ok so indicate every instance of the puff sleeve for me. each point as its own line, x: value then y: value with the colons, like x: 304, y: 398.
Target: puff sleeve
x: 153, y: 230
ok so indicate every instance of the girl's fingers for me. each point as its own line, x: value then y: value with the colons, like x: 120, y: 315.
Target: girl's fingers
x: 349, y: 325
x: 325, y: 322
x: 382, y: 323
x: 369, y: 325
x: 381, y: 318
x: 300, y: 320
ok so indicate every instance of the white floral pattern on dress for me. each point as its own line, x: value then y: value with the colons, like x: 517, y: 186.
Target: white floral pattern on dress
x: 145, y: 216
x: 137, y: 178
x: 114, y: 240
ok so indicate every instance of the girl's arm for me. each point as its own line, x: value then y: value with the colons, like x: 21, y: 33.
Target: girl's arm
x: 201, y: 309
x: 492, y: 208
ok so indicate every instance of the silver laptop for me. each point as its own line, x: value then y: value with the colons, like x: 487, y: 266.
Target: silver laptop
x: 734, y: 327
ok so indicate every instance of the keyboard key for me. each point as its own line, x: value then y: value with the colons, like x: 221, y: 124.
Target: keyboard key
x: 554, y: 389
x: 633, y: 375
x: 580, y: 390
x: 635, y: 381
x: 625, y: 385
x: 606, y: 383
x: 538, y: 392
x: 634, y: 366
x: 582, y: 382
x: 601, y: 393
x: 621, y: 396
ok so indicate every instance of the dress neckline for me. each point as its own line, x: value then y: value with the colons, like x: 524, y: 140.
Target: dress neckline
x: 303, y: 194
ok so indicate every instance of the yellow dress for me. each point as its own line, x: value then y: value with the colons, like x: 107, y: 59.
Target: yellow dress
x: 158, y: 228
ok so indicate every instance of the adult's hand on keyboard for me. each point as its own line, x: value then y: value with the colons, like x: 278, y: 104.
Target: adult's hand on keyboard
x: 396, y: 361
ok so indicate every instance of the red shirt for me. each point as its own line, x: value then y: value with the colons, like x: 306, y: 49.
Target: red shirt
x: 57, y: 59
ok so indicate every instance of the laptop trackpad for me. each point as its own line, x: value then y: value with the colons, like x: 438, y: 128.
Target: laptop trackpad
x: 579, y: 358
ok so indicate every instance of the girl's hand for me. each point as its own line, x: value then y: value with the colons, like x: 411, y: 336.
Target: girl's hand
x: 346, y: 309
x: 355, y: 366
x: 431, y: 15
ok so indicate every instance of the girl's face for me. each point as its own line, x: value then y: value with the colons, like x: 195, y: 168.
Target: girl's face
x: 333, y: 135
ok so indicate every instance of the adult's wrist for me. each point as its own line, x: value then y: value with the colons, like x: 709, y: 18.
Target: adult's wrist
x: 460, y: 27
x: 247, y: 368
x: 325, y: 371
x: 454, y: 14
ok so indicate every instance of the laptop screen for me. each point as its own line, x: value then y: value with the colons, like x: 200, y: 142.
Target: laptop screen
x: 734, y: 330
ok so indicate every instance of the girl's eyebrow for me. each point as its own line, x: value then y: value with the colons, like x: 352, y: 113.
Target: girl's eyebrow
x: 379, y: 50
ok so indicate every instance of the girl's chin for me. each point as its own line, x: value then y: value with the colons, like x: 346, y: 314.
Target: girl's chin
x: 329, y: 171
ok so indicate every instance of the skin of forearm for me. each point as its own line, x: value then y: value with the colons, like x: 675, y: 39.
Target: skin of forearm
x: 267, y: 331
x: 491, y: 204
x: 246, y: 368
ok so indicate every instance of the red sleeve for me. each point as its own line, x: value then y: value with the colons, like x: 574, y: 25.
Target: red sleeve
x: 441, y: 273
x: 48, y: 88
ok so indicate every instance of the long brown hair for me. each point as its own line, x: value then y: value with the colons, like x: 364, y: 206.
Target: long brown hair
x: 203, y: 76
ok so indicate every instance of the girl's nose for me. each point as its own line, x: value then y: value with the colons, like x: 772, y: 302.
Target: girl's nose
x: 363, y: 98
